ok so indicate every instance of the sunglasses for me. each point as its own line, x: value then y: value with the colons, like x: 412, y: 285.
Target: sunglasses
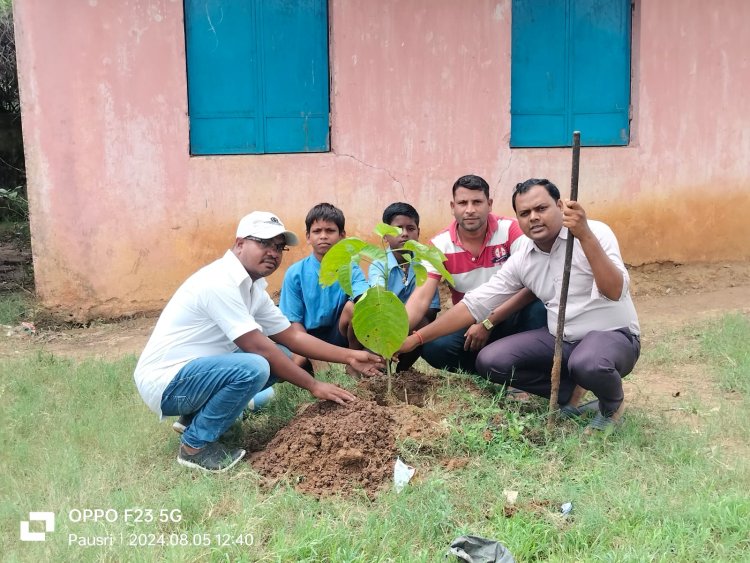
x: 268, y: 244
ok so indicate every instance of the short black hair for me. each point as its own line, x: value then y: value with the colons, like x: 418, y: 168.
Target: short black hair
x: 325, y: 212
x: 400, y: 208
x: 523, y: 187
x: 472, y: 182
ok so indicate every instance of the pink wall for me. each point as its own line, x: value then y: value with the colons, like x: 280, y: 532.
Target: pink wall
x: 121, y: 213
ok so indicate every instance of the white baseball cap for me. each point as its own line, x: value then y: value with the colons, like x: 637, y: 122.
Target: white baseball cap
x: 264, y: 225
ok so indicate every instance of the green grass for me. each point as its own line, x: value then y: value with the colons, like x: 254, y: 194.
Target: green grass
x: 76, y: 435
x: 728, y: 347
x: 14, y: 307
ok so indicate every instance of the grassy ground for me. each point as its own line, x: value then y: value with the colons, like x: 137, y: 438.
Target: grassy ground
x: 14, y: 307
x: 76, y: 436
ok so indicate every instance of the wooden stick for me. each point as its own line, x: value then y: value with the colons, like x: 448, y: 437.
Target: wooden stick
x: 557, y: 361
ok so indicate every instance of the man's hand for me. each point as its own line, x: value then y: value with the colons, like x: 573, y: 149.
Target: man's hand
x: 411, y: 342
x: 366, y: 363
x: 608, y: 278
x: 574, y: 218
x: 329, y: 392
x: 476, y: 337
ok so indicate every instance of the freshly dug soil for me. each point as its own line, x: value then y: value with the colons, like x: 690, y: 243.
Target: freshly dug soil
x: 410, y: 387
x: 329, y: 449
x: 332, y: 449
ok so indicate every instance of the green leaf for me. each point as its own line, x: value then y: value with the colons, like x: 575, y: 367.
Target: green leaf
x: 382, y: 229
x: 345, y: 278
x: 420, y: 272
x: 429, y: 254
x: 380, y: 321
x: 339, y: 255
x: 372, y: 253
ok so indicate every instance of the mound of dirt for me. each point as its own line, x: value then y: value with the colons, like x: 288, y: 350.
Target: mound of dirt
x: 330, y: 448
x: 410, y: 387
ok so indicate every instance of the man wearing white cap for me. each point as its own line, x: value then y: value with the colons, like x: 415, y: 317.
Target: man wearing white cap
x: 191, y: 366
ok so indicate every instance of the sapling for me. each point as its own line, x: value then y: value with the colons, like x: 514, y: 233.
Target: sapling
x: 380, y: 321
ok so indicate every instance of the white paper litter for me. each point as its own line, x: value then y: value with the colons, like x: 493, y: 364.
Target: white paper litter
x: 510, y: 496
x: 402, y: 474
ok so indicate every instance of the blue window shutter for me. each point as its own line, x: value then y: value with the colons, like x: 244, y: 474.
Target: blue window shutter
x: 539, y: 81
x: 257, y: 76
x: 600, y: 71
x: 222, y: 64
x: 295, y: 69
x: 570, y: 70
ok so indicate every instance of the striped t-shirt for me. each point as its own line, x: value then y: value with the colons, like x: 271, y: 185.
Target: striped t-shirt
x: 469, y: 272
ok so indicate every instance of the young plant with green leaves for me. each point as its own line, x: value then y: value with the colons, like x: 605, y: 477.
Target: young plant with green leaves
x: 380, y: 320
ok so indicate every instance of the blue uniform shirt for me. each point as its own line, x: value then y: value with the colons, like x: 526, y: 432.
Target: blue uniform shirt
x: 396, y: 283
x: 304, y: 301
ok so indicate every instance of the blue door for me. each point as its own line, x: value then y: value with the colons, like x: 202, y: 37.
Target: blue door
x: 570, y: 70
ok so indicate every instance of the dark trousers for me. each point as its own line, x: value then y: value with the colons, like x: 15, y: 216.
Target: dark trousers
x: 598, y: 363
x: 447, y: 352
x: 330, y: 334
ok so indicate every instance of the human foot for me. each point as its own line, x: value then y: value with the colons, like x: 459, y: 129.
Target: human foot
x: 605, y: 424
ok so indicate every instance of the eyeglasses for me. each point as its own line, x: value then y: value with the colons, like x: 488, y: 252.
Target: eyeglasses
x: 268, y: 244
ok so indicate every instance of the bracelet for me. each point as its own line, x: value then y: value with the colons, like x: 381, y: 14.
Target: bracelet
x: 421, y: 341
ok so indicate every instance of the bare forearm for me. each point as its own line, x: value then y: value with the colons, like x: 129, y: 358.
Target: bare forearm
x: 453, y: 319
x: 298, y: 327
x: 419, y: 302
x: 310, y: 347
x: 609, y: 279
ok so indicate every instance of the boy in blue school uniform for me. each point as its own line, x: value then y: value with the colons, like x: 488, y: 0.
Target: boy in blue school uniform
x: 317, y: 310
x: 401, y: 279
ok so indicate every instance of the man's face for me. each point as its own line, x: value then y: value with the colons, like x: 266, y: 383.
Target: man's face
x: 471, y: 208
x: 409, y: 231
x: 322, y: 236
x: 539, y: 216
x: 258, y: 259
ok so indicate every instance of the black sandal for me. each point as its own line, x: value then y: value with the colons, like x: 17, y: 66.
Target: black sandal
x: 571, y: 413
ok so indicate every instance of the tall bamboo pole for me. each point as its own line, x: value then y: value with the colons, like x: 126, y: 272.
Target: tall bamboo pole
x: 557, y: 361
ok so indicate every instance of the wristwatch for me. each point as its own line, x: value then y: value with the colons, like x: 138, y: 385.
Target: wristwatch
x: 487, y: 323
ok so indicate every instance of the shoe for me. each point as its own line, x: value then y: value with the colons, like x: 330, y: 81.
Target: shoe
x: 601, y: 423
x: 259, y: 402
x: 570, y: 412
x: 181, y: 424
x: 517, y: 395
x: 215, y: 457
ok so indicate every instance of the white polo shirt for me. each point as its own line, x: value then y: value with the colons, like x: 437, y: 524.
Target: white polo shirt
x: 212, y: 308
x: 542, y: 273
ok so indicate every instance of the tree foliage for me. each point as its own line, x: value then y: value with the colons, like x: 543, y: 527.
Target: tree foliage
x: 380, y: 321
x: 9, y: 101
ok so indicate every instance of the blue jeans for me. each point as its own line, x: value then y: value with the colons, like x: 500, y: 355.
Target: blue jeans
x: 216, y: 389
x: 447, y: 352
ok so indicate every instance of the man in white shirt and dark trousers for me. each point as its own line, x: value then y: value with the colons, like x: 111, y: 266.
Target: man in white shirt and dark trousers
x: 220, y: 341
x: 601, y: 338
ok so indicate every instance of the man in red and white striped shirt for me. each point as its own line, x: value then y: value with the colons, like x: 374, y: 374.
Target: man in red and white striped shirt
x: 476, y: 245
